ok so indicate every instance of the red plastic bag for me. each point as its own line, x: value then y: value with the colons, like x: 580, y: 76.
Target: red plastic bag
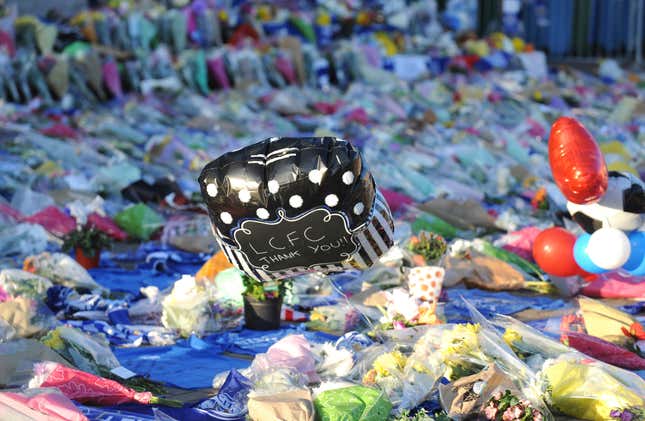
x: 107, y: 225
x: 53, y: 220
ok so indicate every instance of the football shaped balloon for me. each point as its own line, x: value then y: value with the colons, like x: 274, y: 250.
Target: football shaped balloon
x: 577, y: 164
x: 622, y: 206
x: 286, y: 206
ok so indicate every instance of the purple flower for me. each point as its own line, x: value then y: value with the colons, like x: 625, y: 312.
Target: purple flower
x: 624, y: 415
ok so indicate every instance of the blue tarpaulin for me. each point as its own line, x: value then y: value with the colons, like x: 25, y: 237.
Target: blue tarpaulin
x: 189, y: 364
x: 491, y: 303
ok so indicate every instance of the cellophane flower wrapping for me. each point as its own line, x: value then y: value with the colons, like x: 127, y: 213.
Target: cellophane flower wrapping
x: 61, y: 269
x: 332, y: 362
x: 186, y: 308
x: 19, y: 283
x: 50, y: 402
x: 89, y: 353
x: 85, y: 387
x: 583, y: 388
x: 406, y: 374
x: 292, y: 352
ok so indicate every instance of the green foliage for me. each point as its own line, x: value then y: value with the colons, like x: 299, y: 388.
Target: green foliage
x: 257, y: 289
x: 429, y: 245
x: 423, y: 415
x: 88, y: 239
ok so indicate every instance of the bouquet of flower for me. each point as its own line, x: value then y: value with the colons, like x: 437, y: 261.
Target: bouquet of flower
x: 508, y: 407
x: 339, y: 318
x: 571, y: 382
x: 91, y: 354
x: 587, y: 389
x: 407, y: 380
x: 404, y: 310
x: 186, y: 308
x: 427, y: 248
x: 60, y: 269
x: 18, y: 283
x: 88, y: 388
x: 461, y: 352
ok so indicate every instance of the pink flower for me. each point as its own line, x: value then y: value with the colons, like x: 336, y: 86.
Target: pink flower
x: 490, y: 412
x: 397, y: 324
x: 537, y: 415
x: 512, y: 413
x: 497, y: 396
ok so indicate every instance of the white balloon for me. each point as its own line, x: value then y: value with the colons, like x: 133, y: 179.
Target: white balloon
x: 609, y: 248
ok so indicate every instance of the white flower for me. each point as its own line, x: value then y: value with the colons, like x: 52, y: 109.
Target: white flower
x: 400, y: 302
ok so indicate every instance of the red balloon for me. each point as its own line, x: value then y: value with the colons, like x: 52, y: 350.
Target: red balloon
x: 553, y: 252
x: 576, y: 161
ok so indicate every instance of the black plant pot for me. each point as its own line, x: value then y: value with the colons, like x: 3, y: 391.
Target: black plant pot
x: 262, y: 315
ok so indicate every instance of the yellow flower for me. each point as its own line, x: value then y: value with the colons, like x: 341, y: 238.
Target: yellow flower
x: 323, y: 19
x: 54, y: 341
x: 418, y: 367
x: 588, y: 391
x: 317, y: 316
x: 391, y: 361
x: 511, y: 336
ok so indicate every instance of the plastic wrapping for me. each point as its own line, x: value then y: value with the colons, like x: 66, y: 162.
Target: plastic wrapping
x: 32, y: 404
x: 91, y: 354
x: 139, y: 221
x: 22, y: 239
x: 61, y: 269
x: 582, y: 389
x: 29, y: 318
x: 186, y: 308
x: 293, y: 353
x: 18, y: 283
x: 356, y: 403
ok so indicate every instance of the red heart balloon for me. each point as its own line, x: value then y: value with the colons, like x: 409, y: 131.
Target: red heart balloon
x: 576, y: 161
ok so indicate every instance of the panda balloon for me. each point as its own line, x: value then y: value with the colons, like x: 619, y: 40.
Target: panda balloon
x: 608, y: 205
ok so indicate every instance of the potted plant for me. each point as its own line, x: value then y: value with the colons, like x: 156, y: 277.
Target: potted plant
x: 427, y: 249
x: 87, y: 243
x: 263, y: 302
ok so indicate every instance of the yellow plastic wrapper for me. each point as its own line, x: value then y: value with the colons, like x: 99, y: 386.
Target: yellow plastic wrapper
x: 605, y: 322
x: 587, y: 391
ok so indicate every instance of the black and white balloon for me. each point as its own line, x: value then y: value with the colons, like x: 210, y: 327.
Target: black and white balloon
x: 286, y: 206
x: 622, y: 206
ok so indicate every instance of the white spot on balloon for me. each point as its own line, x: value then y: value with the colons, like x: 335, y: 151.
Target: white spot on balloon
x: 348, y: 177
x: 273, y: 186
x: 226, y: 217
x: 331, y: 200
x: 262, y: 213
x: 315, y: 176
x: 295, y: 201
x: 244, y: 195
x: 359, y: 208
x: 211, y: 189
